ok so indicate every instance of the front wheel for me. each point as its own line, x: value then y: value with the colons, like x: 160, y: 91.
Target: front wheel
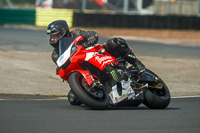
x: 157, y: 95
x: 92, y: 97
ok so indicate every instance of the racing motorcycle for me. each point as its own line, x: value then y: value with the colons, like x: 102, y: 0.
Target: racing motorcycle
x: 83, y: 69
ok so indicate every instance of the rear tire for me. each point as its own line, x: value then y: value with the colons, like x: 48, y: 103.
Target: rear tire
x: 157, y: 99
x: 75, y: 82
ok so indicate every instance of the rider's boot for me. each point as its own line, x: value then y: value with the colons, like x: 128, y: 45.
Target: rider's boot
x: 131, y: 58
x: 73, y: 99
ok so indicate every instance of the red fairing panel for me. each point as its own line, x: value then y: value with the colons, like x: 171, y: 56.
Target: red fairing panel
x: 86, y: 75
x: 100, y: 61
x: 98, y: 56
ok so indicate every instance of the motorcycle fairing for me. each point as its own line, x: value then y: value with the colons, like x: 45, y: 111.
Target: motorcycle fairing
x: 93, y: 69
x: 86, y: 74
x: 99, y: 60
x: 66, y: 48
x: 127, y: 92
x: 72, y: 56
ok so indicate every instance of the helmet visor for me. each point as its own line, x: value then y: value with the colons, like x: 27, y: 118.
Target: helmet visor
x: 53, y: 38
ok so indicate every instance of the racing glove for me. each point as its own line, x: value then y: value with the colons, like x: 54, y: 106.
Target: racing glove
x: 90, y: 37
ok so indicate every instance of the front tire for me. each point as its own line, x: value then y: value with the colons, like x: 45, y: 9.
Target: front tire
x: 78, y: 87
x: 157, y: 98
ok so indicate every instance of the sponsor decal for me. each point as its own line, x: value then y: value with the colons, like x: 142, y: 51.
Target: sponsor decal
x: 123, y: 97
x: 129, y: 93
x: 129, y: 89
x: 114, y: 89
x: 61, y: 58
x: 116, y: 99
x: 105, y: 62
x: 114, y: 75
x: 86, y: 73
x: 119, y: 99
x: 73, y: 49
x: 101, y: 59
x: 123, y: 84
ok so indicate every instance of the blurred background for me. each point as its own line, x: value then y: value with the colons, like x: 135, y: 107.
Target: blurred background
x: 161, y: 7
x: 164, y: 14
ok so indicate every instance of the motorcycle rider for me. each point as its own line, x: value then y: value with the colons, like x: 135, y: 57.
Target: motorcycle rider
x: 117, y: 47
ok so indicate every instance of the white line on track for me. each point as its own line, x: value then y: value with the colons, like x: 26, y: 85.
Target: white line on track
x: 186, y: 96
x: 65, y: 98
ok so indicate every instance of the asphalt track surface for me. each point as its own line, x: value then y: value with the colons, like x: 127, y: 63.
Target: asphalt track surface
x: 57, y: 116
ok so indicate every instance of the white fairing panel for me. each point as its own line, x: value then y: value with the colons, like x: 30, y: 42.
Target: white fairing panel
x: 63, y: 58
x: 127, y: 91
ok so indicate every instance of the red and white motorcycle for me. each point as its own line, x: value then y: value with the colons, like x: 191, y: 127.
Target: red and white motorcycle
x: 83, y: 68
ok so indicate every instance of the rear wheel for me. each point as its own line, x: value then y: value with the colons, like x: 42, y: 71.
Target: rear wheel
x: 93, y: 97
x: 157, y: 95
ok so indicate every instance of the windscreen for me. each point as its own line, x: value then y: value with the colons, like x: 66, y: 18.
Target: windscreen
x: 64, y: 44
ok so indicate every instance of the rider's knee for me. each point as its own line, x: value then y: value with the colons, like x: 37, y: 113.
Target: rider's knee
x: 117, y: 47
x: 55, y: 55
